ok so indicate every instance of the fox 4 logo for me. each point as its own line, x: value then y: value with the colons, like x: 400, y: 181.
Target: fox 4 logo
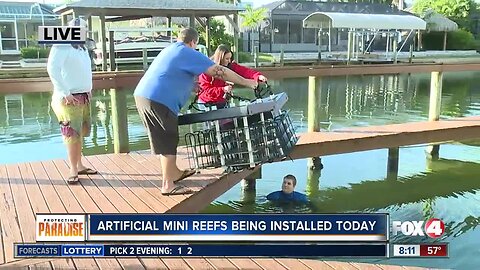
x: 433, y: 228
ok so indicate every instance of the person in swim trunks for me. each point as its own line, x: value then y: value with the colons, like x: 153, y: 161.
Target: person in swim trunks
x: 69, y: 69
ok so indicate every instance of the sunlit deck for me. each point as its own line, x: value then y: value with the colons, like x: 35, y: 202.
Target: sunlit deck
x: 127, y: 183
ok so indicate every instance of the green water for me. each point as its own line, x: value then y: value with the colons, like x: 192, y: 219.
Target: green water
x: 355, y: 182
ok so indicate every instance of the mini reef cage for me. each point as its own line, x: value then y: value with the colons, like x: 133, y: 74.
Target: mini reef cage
x: 241, y: 137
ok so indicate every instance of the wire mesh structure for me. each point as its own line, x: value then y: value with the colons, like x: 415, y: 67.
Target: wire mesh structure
x: 244, y: 142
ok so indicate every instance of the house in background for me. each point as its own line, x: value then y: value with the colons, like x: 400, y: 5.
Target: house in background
x: 284, y: 25
x: 19, y: 23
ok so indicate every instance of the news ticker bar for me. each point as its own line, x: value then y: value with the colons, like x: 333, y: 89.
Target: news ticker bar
x: 421, y: 250
x: 237, y: 250
x: 212, y: 227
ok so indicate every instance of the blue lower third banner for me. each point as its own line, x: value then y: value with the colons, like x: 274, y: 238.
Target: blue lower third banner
x: 261, y: 227
x: 259, y: 250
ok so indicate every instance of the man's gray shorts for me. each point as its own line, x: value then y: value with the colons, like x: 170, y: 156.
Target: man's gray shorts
x: 161, y: 124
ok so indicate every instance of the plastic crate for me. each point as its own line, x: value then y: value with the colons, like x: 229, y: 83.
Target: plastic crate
x: 242, y: 143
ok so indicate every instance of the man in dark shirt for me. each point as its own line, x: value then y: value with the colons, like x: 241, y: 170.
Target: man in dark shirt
x: 288, y: 193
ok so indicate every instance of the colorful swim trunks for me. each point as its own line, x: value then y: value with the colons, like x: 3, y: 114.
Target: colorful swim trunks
x: 74, y: 119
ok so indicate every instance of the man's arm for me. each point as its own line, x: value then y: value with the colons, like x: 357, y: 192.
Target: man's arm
x: 225, y: 74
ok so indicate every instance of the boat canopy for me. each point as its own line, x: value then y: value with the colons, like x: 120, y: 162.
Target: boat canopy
x: 363, y: 21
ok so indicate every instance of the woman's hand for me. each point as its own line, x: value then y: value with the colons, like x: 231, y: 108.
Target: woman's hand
x: 228, y: 89
x: 262, y: 78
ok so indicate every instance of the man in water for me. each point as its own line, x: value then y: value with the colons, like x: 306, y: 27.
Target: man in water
x: 288, y: 193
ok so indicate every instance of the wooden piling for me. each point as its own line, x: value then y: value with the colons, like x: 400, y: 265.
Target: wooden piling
x: 394, y: 49
x: 145, y: 59
x: 119, y: 121
x: 104, y: 42
x: 249, y: 183
x: 255, y: 56
x: 410, y: 58
x: 312, y: 189
x: 314, y: 98
x: 392, y: 165
x: 282, y: 60
x: 111, y: 50
x: 433, y: 150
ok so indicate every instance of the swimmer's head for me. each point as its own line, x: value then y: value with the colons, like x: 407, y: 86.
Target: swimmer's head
x: 289, y: 183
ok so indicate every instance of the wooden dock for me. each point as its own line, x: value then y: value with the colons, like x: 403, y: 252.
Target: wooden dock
x: 348, y: 140
x: 36, y: 80
x: 129, y: 183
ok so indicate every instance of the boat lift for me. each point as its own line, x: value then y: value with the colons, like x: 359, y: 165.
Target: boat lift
x: 361, y: 25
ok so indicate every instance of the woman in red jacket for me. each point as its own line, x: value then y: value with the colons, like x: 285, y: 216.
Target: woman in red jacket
x: 213, y: 90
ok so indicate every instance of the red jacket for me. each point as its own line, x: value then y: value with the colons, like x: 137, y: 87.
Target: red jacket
x: 211, y: 90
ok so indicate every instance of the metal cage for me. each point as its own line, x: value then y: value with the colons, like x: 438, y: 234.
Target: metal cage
x: 242, y: 142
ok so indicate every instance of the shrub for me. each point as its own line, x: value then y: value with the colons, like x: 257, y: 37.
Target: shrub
x: 244, y: 57
x: 34, y: 52
x: 456, y: 40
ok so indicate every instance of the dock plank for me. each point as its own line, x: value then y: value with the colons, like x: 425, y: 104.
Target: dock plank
x: 95, y: 192
x: 154, y: 175
x: 59, y: 169
x: 86, y: 202
x: 366, y: 266
x: 391, y: 267
x: 154, y: 263
x: 66, y: 195
x: 130, y: 263
x: 54, y: 203
x: 104, y: 263
x: 222, y: 263
x: 153, y: 162
x: 2, y: 248
x: 129, y: 189
x: 39, y: 205
x: 199, y: 264
x: 115, y: 190
x: 292, y: 264
x: 34, y: 194
x: 44, y: 265
x: 63, y: 263
x: 245, y: 263
x: 176, y: 264
x: 154, y: 197
x: 269, y: 264
x: 109, y: 186
x: 349, y: 140
x: 314, y: 264
x: 70, y: 204
x: 24, y: 212
x: 341, y: 265
x: 10, y: 227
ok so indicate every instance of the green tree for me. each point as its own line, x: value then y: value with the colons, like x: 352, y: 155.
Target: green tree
x: 217, y: 34
x: 456, y: 10
x: 460, y: 11
x: 252, y: 18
